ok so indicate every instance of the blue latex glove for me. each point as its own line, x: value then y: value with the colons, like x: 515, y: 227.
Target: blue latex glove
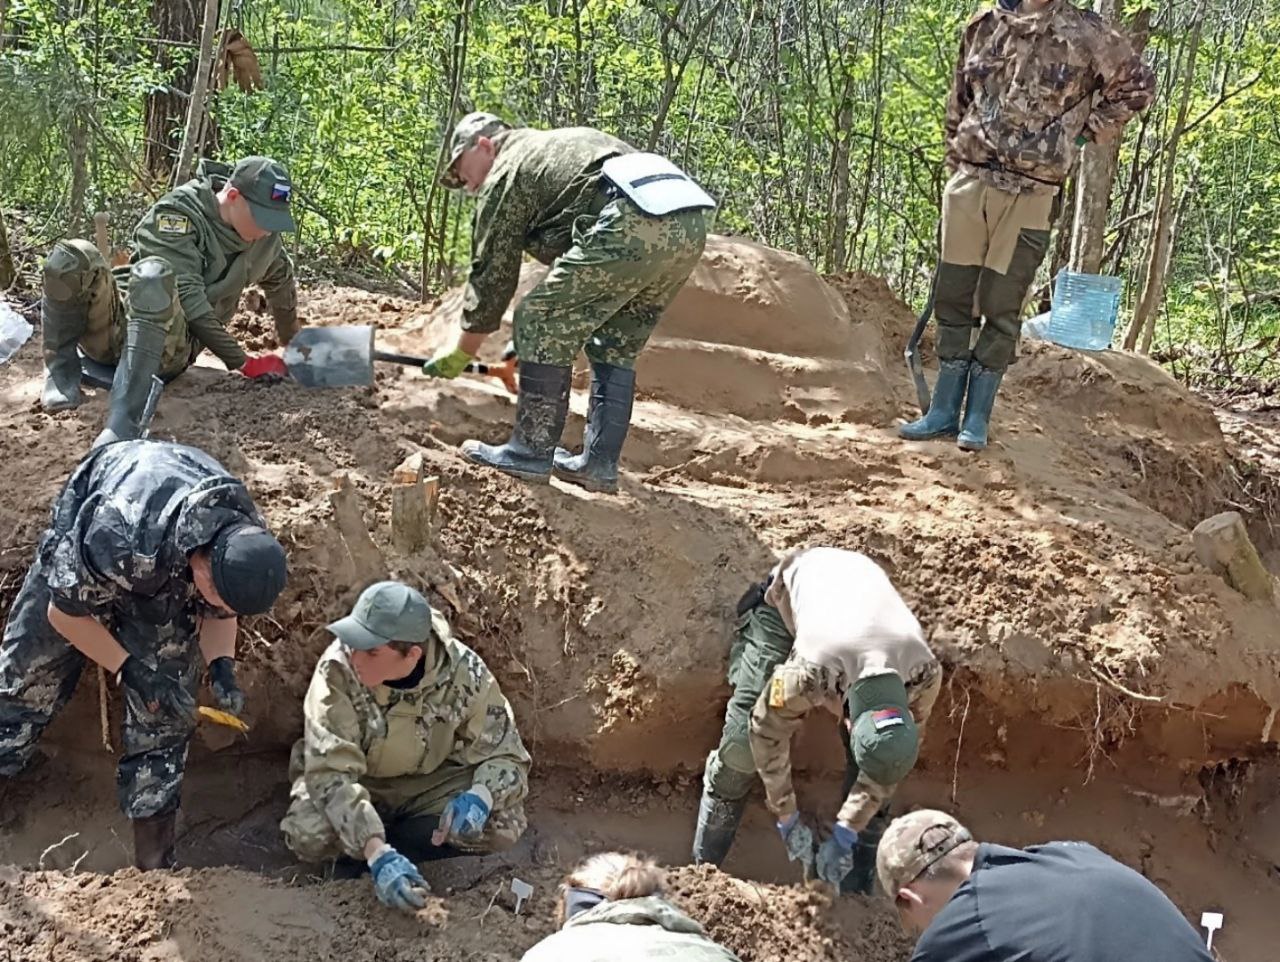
x: 397, y: 881
x: 466, y: 814
x: 835, y: 857
x: 799, y: 840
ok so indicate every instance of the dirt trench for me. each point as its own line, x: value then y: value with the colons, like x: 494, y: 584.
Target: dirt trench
x: 1101, y: 684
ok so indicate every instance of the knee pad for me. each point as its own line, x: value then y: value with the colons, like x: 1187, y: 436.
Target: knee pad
x: 726, y: 777
x: 152, y: 291
x: 68, y: 268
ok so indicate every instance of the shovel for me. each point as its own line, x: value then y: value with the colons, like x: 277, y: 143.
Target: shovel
x: 343, y: 357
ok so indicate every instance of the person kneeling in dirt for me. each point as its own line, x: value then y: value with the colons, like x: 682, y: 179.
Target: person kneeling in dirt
x: 194, y: 252
x: 621, y: 231
x: 612, y: 909
x: 1034, y: 82
x: 1058, y: 902
x: 153, y: 551
x: 825, y: 630
x: 410, y: 751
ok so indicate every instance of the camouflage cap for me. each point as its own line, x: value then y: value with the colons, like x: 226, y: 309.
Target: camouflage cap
x: 265, y: 184
x: 465, y: 134
x: 914, y: 842
x: 385, y: 612
x: 883, y: 736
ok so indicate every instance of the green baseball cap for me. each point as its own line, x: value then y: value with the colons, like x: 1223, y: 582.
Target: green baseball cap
x: 883, y: 736
x: 465, y: 134
x: 265, y: 184
x: 385, y: 612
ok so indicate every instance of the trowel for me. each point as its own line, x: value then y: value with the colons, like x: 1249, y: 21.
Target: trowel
x: 343, y: 356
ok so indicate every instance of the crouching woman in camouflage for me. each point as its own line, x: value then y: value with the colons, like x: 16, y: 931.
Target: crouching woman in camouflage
x: 409, y: 750
x: 612, y: 909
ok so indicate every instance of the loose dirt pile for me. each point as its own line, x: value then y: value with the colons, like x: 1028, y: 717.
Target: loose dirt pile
x: 1054, y: 573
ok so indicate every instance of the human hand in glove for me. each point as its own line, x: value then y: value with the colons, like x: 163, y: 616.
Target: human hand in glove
x: 268, y: 366
x: 222, y: 679
x: 799, y: 840
x: 465, y: 815
x: 159, y: 691
x: 397, y: 881
x: 448, y: 365
x: 835, y: 857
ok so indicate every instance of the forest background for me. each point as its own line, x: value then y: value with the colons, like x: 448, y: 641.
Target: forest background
x: 818, y: 123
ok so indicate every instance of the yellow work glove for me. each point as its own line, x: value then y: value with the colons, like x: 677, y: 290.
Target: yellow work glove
x: 447, y: 365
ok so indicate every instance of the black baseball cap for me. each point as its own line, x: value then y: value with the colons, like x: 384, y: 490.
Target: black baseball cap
x: 249, y: 568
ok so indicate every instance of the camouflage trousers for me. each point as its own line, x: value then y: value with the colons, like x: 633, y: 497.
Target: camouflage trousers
x: 409, y: 808
x: 606, y: 293
x: 102, y: 293
x: 38, y: 674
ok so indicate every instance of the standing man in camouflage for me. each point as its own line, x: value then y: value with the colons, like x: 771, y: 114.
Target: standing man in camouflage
x: 410, y: 751
x: 621, y: 230
x: 194, y: 252
x: 1034, y: 82
x: 153, y: 552
x: 825, y: 630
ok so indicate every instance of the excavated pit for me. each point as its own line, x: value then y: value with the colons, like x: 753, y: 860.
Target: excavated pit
x: 1101, y: 683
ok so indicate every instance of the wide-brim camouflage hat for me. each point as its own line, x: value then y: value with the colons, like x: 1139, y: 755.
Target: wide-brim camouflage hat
x: 914, y: 842
x: 465, y: 134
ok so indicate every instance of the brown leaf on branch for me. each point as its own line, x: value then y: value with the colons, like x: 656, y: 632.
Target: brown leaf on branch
x: 239, y: 62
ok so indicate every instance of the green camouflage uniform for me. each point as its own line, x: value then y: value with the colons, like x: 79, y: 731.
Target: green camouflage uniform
x: 1027, y: 85
x: 372, y: 756
x: 614, y: 269
x: 630, y: 930
x: 212, y: 266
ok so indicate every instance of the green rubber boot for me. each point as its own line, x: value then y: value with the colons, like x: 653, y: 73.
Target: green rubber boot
x: 541, y: 410
x: 984, y: 384
x: 62, y: 324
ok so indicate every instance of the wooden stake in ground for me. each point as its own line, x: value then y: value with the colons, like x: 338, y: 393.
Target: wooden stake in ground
x: 1223, y: 546
x: 195, y: 110
x: 102, y: 233
x: 367, y: 563
x: 413, y: 505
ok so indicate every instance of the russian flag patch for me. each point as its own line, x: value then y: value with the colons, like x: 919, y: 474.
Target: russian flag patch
x: 886, y: 718
x: 281, y: 192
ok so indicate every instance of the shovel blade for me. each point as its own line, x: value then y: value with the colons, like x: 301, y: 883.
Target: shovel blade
x: 332, y: 356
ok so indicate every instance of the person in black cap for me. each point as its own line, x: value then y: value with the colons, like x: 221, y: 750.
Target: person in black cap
x: 192, y: 255
x: 152, y: 553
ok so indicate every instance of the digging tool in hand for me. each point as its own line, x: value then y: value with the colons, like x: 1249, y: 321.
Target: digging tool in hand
x: 343, y: 357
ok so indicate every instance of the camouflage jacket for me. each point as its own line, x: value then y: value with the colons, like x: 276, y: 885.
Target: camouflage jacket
x: 356, y: 739
x: 541, y: 182
x: 630, y: 930
x: 122, y: 531
x: 211, y: 262
x: 1027, y: 84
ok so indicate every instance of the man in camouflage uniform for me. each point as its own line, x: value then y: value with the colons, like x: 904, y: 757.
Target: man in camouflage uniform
x: 194, y: 252
x: 152, y: 553
x: 621, y: 230
x: 410, y: 751
x: 1034, y: 82
x: 825, y: 630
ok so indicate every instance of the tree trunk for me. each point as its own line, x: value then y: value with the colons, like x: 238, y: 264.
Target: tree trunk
x: 1144, y: 315
x: 78, y: 150
x: 166, y: 107
x: 7, y: 271
x: 195, y: 105
x: 836, y: 250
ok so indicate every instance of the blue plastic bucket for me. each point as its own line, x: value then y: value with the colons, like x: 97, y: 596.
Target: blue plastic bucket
x: 1084, y: 309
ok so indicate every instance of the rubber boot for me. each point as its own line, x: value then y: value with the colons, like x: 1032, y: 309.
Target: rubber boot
x: 861, y: 879
x: 540, y: 414
x: 62, y: 324
x: 153, y: 841
x: 943, y: 418
x: 608, y: 418
x: 718, y: 822
x: 984, y: 383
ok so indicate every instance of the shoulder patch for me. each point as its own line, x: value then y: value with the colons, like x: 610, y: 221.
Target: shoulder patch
x: 173, y: 223
x: 777, y: 692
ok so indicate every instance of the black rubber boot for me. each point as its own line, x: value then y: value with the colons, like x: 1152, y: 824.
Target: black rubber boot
x: 718, y: 822
x: 540, y: 414
x: 861, y: 879
x: 943, y: 419
x: 61, y: 327
x: 153, y: 841
x: 608, y: 418
x: 140, y: 362
x: 984, y: 384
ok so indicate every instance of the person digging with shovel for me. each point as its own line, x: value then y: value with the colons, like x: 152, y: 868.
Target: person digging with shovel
x: 826, y: 629
x: 194, y: 252
x: 1034, y: 82
x: 410, y: 750
x: 621, y: 232
x: 152, y: 554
